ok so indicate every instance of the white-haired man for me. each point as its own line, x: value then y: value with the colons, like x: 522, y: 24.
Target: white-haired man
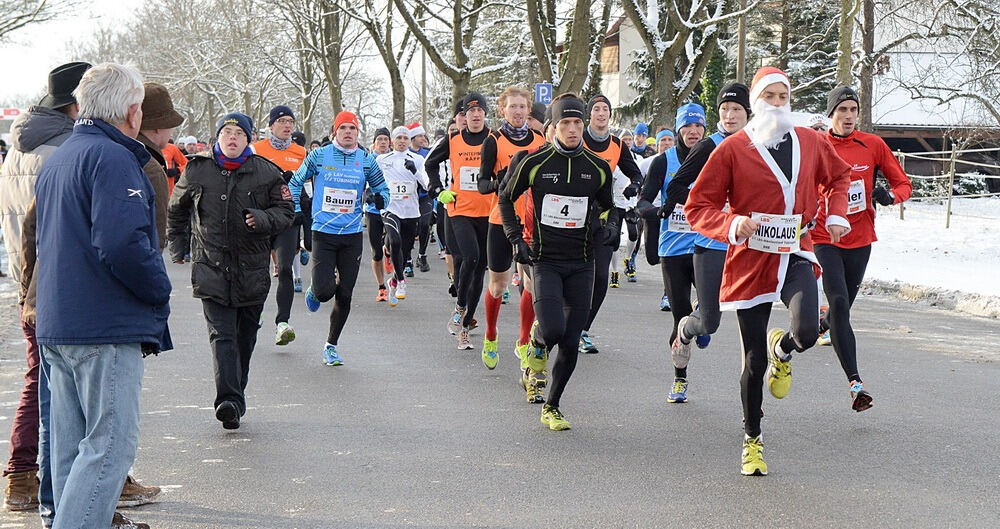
x: 773, y: 174
x: 98, y: 318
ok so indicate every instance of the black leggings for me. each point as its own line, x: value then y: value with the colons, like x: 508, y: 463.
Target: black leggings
x: 286, y: 249
x: 376, y: 235
x: 399, y: 235
x: 424, y: 226
x: 801, y: 296
x: 562, y: 303
x: 678, y: 272
x: 602, y: 265
x: 708, y: 266
x: 470, y: 244
x: 499, y: 250
x: 843, y: 271
x: 442, y: 217
x: 652, y: 243
x: 336, y: 260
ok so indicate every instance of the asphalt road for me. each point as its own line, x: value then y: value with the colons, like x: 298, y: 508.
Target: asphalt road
x: 411, y: 432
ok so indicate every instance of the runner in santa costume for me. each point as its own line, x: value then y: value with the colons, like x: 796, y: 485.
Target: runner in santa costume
x: 844, y: 262
x: 772, y: 174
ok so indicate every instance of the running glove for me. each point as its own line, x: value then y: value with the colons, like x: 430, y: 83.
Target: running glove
x: 609, y: 233
x: 631, y: 191
x: 664, y: 211
x: 410, y: 166
x: 882, y: 196
x: 522, y: 253
x: 446, y: 197
x: 378, y: 200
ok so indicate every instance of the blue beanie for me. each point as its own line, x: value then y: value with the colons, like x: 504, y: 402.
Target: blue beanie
x: 277, y: 113
x: 662, y: 133
x: 641, y: 129
x: 688, y: 114
x: 239, y: 119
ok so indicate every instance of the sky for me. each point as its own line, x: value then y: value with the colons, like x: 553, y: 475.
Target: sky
x: 32, y: 52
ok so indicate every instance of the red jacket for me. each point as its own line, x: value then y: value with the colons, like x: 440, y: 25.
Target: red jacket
x: 866, y: 154
x: 738, y: 173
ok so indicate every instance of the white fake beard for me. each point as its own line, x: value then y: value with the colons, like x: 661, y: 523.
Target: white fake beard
x: 769, y: 124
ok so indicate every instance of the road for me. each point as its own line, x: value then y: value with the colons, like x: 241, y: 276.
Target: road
x: 411, y: 432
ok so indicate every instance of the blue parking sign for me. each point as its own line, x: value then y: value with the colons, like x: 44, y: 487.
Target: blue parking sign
x: 543, y: 93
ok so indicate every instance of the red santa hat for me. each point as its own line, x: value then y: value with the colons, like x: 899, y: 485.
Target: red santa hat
x: 765, y: 77
x: 416, y: 129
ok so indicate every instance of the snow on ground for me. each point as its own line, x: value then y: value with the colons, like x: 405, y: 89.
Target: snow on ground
x: 920, y: 251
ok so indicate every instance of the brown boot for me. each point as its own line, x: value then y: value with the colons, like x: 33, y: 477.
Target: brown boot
x: 22, y: 491
x: 134, y: 494
x: 118, y: 521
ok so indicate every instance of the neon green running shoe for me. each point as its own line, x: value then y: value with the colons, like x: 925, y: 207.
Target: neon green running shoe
x: 753, y: 457
x: 779, y: 370
x: 490, y: 356
x: 553, y: 418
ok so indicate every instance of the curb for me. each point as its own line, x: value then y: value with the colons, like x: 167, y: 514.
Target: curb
x: 974, y: 304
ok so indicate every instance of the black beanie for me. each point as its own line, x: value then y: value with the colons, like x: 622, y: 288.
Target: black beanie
x: 538, y: 111
x: 382, y: 131
x: 299, y: 138
x: 568, y: 107
x: 599, y: 98
x: 277, y: 113
x: 839, y: 95
x: 735, y: 92
x: 475, y: 99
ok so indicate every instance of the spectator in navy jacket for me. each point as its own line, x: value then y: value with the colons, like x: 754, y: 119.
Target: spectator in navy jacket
x: 102, y: 293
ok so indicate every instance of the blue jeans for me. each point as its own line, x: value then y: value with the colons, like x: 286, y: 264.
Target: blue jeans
x: 46, y: 505
x: 94, y: 428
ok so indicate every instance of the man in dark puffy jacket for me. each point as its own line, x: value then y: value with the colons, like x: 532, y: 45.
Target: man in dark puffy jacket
x: 240, y: 201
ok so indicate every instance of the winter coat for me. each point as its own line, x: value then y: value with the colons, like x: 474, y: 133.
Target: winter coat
x: 229, y: 261
x: 100, y: 277
x: 155, y: 170
x: 35, y: 135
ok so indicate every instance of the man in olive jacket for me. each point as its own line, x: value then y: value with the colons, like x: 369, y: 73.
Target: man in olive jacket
x: 239, y: 201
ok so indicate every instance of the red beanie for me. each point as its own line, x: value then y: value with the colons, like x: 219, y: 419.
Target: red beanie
x: 345, y: 117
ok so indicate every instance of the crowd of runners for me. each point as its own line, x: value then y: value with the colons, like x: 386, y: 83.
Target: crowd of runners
x: 543, y: 200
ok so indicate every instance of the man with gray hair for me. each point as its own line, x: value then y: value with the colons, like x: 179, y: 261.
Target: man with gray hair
x: 98, y: 318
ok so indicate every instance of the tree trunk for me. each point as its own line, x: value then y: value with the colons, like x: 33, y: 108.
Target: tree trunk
x: 845, y: 61
x: 543, y: 54
x: 786, y: 16
x: 398, y: 97
x: 664, y: 105
x: 867, y: 66
x: 577, y: 51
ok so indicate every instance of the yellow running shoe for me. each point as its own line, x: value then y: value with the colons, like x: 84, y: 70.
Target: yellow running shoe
x: 521, y: 352
x: 779, y: 371
x: 532, y: 391
x: 753, y: 457
x: 490, y: 357
x: 553, y: 418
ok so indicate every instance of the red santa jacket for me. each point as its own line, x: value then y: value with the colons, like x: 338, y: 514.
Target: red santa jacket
x: 866, y: 154
x: 750, y: 180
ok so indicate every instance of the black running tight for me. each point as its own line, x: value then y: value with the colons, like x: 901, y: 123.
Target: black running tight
x: 562, y: 294
x: 800, y: 294
x: 602, y: 265
x: 470, y: 243
x: 843, y: 271
x: 336, y: 259
x: 399, y: 235
x: 678, y: 274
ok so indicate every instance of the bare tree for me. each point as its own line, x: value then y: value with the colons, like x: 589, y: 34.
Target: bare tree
x: 17, y: 14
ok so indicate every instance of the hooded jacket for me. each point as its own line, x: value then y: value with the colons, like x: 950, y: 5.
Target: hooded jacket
x: 35, y: 135
x: 100, y: 278
x: 229, y: 261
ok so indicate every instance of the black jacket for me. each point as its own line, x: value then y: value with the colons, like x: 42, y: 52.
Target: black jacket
x: 230, y: 262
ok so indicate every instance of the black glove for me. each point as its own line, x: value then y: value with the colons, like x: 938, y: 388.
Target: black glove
x: 631, y: 191
x: 300, y: 218
x: 378, y: 200
x: 609, y: 234
x: 523, y: 253
x: 410, y: 166
x: 173, y: 172
x: 287, y: 176
x: 664, y: 212
x: 882, y: 196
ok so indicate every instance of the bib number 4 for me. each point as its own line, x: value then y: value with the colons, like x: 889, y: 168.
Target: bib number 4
x: 560, y: 211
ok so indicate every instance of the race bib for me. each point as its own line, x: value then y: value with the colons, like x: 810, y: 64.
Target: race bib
x: 400, y: 190
x: 678, y: 222
x: 339, y: 200
x: 776, y: 233
x: 856, y: 197
x: 468, y: 179
x: 560, y: 211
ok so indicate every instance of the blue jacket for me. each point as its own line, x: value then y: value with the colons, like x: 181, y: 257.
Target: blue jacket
x: 99, y: 274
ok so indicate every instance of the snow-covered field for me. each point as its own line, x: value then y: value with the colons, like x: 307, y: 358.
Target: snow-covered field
x: 920, y: 251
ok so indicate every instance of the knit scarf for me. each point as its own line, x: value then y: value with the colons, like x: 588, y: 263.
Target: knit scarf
x: 566, y: 151
x: 278, y: 143
x: 593, y: 134
x: 515, y: 134
x: 227, y: 163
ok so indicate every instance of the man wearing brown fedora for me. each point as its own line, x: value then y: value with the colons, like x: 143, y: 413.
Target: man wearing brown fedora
x: 159, y: 119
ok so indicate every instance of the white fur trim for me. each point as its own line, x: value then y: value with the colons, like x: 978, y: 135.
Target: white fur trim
x: 765, y: 81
